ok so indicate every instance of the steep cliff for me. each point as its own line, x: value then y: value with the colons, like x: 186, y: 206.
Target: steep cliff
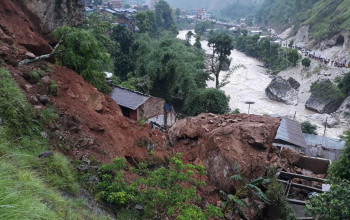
x: 55, y: 13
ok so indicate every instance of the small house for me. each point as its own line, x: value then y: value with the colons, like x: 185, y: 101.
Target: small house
x: 136, y: 106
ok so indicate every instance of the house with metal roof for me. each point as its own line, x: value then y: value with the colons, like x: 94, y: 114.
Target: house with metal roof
x: 136, y: 106
x: 290, y: 135
x: 325, y: 147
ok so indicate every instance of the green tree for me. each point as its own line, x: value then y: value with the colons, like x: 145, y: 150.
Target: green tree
x: 164, y: 16
x: 206, y: 101
x: 146, y: 22
x: 198, y: 44
x: 124, y: 57
x: 221, y: 45
x: 307, y: 127
x: 344, y: 84
x: 83, y: 53
x: 340, y: 169
x: 293, y: 56
x: 188, y: 38
x: 306, y: 62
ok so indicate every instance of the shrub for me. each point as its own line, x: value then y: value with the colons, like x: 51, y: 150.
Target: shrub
x: 36, y: 75
x: 53, y: 89
x: 307, y: 127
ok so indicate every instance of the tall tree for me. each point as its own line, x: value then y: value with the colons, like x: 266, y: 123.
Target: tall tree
x: 164, y: 16
x: 124, y: 61
x: 221, y: 45
x: 198, y: 42
x: 146, y: 22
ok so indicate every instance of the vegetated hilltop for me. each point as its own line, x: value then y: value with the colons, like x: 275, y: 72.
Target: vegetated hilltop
x: 326, y: 18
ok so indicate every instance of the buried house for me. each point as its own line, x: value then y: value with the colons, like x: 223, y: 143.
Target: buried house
x: 137, y: 106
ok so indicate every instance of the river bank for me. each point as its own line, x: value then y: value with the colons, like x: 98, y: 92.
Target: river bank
x: 249, y: 84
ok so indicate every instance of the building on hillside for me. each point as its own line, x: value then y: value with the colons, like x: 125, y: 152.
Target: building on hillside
x: 290, y: 135
x: 115, y: 3
x: 136, y: 106
x: 319, y: 146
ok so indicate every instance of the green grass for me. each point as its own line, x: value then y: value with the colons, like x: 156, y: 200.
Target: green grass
x: 30, y: 187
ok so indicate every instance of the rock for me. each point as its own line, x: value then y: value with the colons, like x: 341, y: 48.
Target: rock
x: 281, y: 91
x: 30, y: 55
x: 93, y: 179
x: 293, y: 83
x: 331, y: 121
x: 324, y: 98
x: 45, y: 154
x: 83, y: 167
x: 43, y: 99
x: 292, y: 156
x: 247, y: 142
x: 95, y: 101
x: 140, y: 210
x: 43, y: 134
x: 46, y: 80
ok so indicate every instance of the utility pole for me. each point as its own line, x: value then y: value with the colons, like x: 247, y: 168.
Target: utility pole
x: 249, y: 103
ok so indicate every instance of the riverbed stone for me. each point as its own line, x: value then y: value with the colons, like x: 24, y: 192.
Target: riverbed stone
x: 281, y: 91
x: 293, y: 83
x: 324, y: 98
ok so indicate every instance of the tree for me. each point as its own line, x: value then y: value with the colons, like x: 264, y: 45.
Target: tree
x: 188, y: 38
x: 344, y: 84
x: 146, y: 22
x: 178, y: 13
x: 306, y: 62
x: 83, y: 53
x: 198, y: 44
x: 124, y: 61
x: 206, y: 101
x: 340, y: 169
x: 164, y: 16
x: 307, y: 127
x: 293, y: 56
x: 221, y: 45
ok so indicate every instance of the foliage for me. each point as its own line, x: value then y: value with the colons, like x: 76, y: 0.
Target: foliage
x: 188, y: 38
x: 36, y: 75
x: 306, y: 62
x: 236, y: 111
x: 146, y: 22
x: 250, y: 189
x: 14, y: 110
x: 53, y: 89
x: 31, y: 187
x: 201, y: 27
x: 129, y: 83
x: 273, y: 55
x: 171, y: 69
x: 162, y: 192
x: 197, y: 43
x: 124, y: 61
x: 344, y: 84
x: 209, y: 100
x: 331, y: 205
x: 340, y: 169
x: 164, y: 17
x: 326, y: 89
x: 82, y: 52
x: 293, y: 56
x: 275, y: 195
x: 307, y: 127
x: 221, y: 45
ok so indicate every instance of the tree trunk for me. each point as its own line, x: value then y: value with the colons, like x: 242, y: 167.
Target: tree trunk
x: 217, y: 83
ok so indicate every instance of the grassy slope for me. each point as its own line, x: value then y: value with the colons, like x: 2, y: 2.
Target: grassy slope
x: 327, y: 18
x: 30, y: 187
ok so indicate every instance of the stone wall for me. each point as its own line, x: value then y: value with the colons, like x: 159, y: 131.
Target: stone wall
x: 151, y: 108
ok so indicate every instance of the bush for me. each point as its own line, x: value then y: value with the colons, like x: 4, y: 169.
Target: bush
x: 206, y: 101
x: 36, y: 75
x: 53, y: 89
x: 306, y: 62
x: 344, y: 84
x: 307, y: 127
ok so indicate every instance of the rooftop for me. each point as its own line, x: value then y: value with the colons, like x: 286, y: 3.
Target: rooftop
x: 330, y: 143
x: 128, y: 98
x: 290, y: 131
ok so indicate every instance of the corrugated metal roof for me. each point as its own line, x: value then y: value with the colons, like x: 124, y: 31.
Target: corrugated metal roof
x: 290, y: 131
x: 127, y: 98
x: 330, y: 143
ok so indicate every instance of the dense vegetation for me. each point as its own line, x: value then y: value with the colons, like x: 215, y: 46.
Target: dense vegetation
x: 334, y: 205
x: 325, y: 17
x: 30, y: 187
x: 273, y: 55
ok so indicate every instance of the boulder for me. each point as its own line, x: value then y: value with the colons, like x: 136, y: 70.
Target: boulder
x: 325, y: 97
x: 281, y: 91
x: 247, y: 142
x: 293, y: 83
